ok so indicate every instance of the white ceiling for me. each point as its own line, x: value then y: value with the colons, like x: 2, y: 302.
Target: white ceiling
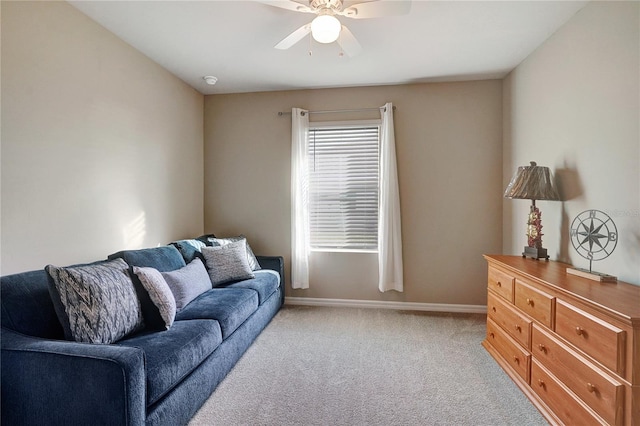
x: 233, y: 40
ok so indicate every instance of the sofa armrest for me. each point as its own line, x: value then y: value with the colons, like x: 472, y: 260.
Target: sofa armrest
x: 61, y: 383
x: 275, y: 263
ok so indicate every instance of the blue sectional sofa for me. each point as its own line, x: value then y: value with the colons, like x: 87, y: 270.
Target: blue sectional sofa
x: 150, y: 377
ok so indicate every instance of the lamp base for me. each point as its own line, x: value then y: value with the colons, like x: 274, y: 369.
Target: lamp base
x: 535, y: 253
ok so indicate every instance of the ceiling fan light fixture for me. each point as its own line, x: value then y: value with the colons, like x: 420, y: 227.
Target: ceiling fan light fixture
x: 325, y: 28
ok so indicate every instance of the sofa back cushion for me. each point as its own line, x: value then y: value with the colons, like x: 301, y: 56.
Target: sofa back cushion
x: 163, y: 259
x: 27, y: 307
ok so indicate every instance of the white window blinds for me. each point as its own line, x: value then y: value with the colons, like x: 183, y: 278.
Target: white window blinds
x: 343, y: 187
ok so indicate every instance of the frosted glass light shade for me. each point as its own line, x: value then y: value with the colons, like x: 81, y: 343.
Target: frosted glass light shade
x: 325, y: 28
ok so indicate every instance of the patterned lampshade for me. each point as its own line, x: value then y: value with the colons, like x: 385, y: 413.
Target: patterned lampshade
x: 532, y: 183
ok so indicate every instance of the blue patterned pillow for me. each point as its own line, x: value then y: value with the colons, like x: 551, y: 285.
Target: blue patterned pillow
x: 189, y: 249
x: 205, y: 239
x: 99, y: 301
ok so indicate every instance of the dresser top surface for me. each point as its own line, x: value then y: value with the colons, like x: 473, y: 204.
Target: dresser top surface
x: 620, y: 298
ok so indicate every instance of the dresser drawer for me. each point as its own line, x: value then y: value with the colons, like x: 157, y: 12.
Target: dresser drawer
x: 594, y: 336
x: 592, y: 385
x: 562, y: 402
x: 501, y: 283
x: 509, y: 319
x: 518, y: 358
x: 535, y: 303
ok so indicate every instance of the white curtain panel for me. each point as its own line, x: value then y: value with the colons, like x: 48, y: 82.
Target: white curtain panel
x: 299, y: 198
x: 389, y: 226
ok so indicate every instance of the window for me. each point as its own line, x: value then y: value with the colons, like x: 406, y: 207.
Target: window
x: 344, y: 167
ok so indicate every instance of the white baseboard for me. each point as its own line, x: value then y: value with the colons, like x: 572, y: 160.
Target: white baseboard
x: 381, y: 304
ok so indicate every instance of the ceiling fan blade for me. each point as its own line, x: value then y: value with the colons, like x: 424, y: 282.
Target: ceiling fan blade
x: 348, y: 42
x: 288, y: 4
x: 377, y: 9
x: 294, y: 37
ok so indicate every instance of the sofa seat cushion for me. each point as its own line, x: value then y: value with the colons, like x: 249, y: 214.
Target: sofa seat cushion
x: 172, y: 354
x: 230, y: 306
x: 266, y: 282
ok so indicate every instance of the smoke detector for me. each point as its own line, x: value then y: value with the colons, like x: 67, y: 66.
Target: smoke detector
x: 211, y: 80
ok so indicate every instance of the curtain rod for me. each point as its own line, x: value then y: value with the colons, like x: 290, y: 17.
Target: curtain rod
x: 333, y: 111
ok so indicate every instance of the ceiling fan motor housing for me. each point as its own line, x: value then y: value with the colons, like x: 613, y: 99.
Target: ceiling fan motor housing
x: 332, y: 5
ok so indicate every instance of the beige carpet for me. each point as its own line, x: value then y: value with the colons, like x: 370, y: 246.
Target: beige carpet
x: 343, y: 366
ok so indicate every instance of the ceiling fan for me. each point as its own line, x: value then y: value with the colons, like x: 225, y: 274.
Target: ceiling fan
x: 326, y: 28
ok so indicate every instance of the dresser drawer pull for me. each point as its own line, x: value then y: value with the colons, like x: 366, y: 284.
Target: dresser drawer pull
x: 529, y: 302
x: 541, y: 383
x: 499, y: 284
x: 516, y: 359
x: 579, y: 331
x: 493, y: 308
x: 518, y: 328
x: 591, y: 388
x: 493, y: 336
x: 542, y: 348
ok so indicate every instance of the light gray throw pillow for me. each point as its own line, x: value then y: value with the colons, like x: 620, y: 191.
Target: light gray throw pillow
x: 159, y: 293
x: 228, y: 263
x: 221, y: 242
x: 99, y: 300
x: 187, y: 283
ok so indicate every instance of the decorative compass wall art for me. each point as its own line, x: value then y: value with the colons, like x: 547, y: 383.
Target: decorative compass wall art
x: 594, y: 236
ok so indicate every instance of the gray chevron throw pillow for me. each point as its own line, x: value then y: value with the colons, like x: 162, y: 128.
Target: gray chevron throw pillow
x: 99, y: 300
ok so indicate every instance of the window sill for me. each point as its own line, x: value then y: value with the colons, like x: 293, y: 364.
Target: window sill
x: 339, y: 250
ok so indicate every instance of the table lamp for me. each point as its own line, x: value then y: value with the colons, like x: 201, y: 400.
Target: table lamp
x: 533, y: 183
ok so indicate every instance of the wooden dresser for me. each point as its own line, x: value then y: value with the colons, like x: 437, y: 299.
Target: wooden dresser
x: 571, y: 344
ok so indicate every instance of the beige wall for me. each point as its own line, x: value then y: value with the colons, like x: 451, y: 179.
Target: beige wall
x: 101, y: 147
x: 573, y: 105
x: 449, y: 149
x: 102, y: 150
